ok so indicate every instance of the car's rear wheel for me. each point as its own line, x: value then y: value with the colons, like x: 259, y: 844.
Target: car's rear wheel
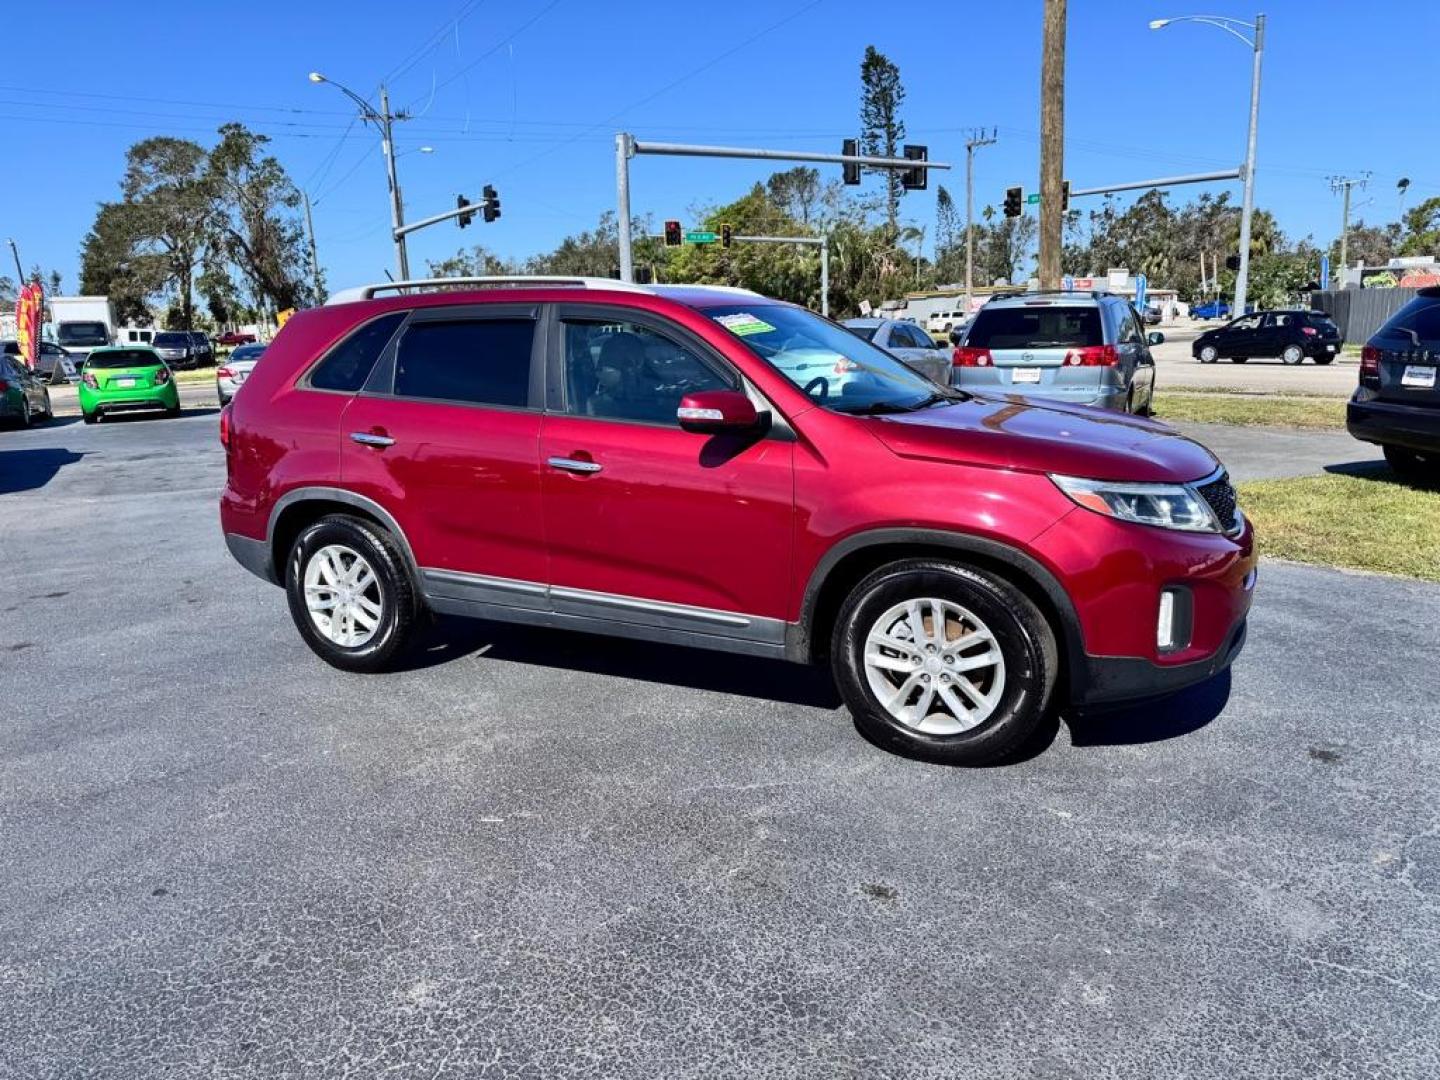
x: 1292, y: 355
x: 1209, y: 354
x: 350, y: 593
x: 1413, y: 464
x: 943, y: 662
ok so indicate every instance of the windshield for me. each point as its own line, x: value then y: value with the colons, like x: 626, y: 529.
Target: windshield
x: 123, y: 358
x: 172, y: 341
x: 837, y: 369
x: 1035, y: 327
x: 82, y: 333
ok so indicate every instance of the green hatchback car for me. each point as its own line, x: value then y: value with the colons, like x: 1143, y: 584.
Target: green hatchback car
x: 125, y: 379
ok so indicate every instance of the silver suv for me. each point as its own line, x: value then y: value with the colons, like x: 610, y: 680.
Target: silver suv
x: 1080, y: 348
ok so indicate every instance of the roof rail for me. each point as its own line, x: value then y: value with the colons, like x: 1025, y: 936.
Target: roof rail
x: 1095, y: 294
x: 519, y: 281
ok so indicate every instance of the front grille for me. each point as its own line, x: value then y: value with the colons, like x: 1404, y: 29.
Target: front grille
x: 1220, y: 494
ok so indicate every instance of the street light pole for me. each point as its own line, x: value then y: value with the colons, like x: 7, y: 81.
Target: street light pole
x: 384, y: 120
x: 1257, y: 45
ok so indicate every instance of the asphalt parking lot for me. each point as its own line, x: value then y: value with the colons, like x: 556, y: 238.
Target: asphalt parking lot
x: 540, y: 854
x: 1176, y: 369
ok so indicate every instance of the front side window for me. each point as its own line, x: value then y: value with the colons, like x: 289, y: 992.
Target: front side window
x: 620, y: 370
x: 469, y: 361
x: 1250, y: 322
x: 348, y: 365
x: 834, y: 367
x: 82, y: 333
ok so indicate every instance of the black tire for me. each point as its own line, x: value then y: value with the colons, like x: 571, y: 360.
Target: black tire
x: 1323, y: 360
x: 399, y: 602
x: 90, y: 417
x: 1292, y: 356
x: 1024, y: 637
x: 1413, y: 464
x: 25, y: 418
x: 172, y: 412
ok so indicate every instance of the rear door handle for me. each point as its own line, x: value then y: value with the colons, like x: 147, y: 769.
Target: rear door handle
x: 573, y: 465
x: 368, y: 438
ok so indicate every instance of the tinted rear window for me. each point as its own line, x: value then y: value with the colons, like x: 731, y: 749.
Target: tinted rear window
x: 1038, y: 327
x: 122, y: 358
x: 1421, y: 315
x: 481, y: 362
x: 349, y: 363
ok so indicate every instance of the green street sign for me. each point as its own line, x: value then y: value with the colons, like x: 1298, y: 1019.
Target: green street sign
x: 1033, y: 200
x: 700, y: 237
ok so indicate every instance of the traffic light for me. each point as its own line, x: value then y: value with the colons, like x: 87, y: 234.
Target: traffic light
x: 915, y: 179
x: 849, y: 171
x: 491, y: 210
x: 1013, y: 197
x: 1064, y: 196
x: 672, y: 234
x: 461, y: 202
x: 725, y: 235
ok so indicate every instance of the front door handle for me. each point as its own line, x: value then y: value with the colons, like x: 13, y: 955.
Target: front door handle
x: 574, y: 465
x: 369, y: 438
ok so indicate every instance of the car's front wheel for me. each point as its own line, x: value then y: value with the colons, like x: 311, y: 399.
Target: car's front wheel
x: 1292, y: 355
x: 350, y: 593
x: 1209, y: 354
x: 943, y: 662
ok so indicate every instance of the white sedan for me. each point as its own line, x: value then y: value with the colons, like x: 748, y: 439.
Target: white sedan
x: 231, y: 374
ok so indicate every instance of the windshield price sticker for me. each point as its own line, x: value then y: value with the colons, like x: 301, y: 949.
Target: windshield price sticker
x: 742, y: 324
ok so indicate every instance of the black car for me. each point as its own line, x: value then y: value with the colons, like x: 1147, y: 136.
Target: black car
x: 22, y: 395
x: 1397, y: 404
x: 204, y: 349
x: 1290, y: 335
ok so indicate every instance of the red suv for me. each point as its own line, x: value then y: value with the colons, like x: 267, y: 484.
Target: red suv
x: 704, y: 466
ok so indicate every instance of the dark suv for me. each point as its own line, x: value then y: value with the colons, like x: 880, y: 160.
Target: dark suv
x: 1289, y: 335
x: 707, y: 467
x: 1397, y: 404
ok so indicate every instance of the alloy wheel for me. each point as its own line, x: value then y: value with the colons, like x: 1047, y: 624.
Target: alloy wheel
x: 342, y: 595
x: 934, y: 666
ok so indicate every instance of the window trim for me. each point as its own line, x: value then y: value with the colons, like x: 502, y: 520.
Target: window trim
x: 304, y: 383
x: 381, y: 383
x: 557, y: 390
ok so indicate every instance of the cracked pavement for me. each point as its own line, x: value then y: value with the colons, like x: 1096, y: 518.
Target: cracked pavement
x: 547, y: 855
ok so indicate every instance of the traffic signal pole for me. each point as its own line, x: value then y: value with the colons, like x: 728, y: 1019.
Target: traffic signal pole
x: 822, y: 242
x: 627, y: 146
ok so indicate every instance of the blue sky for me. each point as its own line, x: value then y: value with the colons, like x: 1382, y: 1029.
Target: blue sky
x: 527, y: 94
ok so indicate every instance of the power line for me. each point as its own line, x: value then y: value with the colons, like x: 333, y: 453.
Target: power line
x: 498, y: 45
x: 432, y: 41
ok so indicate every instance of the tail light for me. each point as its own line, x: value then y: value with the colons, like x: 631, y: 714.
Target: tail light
x: 965, y: 356
x: 1309, y: 331
x: 225, y: 427
x: 162, y: 376
x: 1370, y: 364
x: 1093, y: 356
x: 89, y: 380
x: 4, y: 387
x: 224, y: 373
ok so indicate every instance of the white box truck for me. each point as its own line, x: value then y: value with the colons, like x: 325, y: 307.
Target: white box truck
x: 81, y: 323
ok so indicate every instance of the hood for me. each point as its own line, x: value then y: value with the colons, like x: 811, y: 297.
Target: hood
x: 1015, y: 433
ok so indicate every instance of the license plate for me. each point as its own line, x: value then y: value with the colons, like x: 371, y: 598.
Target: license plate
x: 1329, y: 348
x: 1418, y: 376
x: 125, y: 384
x: 1026, y: 375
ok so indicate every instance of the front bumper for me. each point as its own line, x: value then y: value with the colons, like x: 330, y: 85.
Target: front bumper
x: 1112, y: 679
x: 1386, y: 423
x: 144, y: 397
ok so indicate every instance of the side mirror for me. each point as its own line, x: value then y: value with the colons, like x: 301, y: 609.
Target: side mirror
x: 956, y: 337
x: 713, y: 412
x: 1155, y: 337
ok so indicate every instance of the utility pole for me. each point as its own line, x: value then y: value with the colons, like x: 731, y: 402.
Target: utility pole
x: 1052, y: 142
x: 1343, y: 184
x: 976, y: 140
x: 314, y: 257
x: 19, y: 273
x: 397, y: 207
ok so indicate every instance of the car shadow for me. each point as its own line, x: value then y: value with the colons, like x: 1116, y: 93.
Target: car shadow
x: 1181, y: 713
x: 143, y: 416
x: 1380, y: 472
x: 451, y: 639
x: 26, y: 470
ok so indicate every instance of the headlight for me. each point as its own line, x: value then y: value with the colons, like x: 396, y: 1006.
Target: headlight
x: 1169, y: 506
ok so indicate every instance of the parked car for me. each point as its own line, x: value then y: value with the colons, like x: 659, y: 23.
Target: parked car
x: 942, y: 323
x: 1080, y: 348
x: 1151, y: 316
x: 1210, y: 309
x: 907, y: 342
x: 230, y: 375
x: 642, y: 461
x: 49, y: 356
x: 22, y: 395
x: 234, y: 337
x: 126, y: 378
x: 1397, y: 404
x: 1290, y: 335
x: 177, y: 349
x: 204, y: 350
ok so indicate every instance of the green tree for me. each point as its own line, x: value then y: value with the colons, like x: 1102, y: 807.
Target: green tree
x: 798, y: 192
x: 881, y: 129
x: 1422, y: 229
x: 170, y: 195
x: 949, y: 238
x: 1373, y: 245
x: 114, y: 264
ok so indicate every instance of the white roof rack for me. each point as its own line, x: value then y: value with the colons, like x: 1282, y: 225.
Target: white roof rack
x: 367, y: 292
